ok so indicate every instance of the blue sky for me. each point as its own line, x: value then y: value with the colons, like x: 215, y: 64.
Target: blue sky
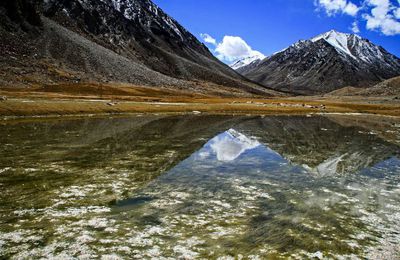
x: 271, y: 25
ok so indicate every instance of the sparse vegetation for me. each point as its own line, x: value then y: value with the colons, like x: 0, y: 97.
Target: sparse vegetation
x: 93, y: 98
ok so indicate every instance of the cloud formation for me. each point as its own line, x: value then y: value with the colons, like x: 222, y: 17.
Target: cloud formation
x: 208, y: 39
x: 378, y: 15
x: 231, y: 48
x: 333, y: 7
x: 354, y: 27
x: 383, y: 17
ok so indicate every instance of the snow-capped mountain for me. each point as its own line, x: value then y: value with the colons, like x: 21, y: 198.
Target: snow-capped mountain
x: 325, y: 63
x: 354, y: 46
x: 247, y: 61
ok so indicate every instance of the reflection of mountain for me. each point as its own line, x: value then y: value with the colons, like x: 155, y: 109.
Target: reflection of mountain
x: 320, y: 145
x: 149, y: 145
x: 59, y: 178
x: 158, y: 144
x: 115, y: 155
x: 153, y: 144
x: 231, y: 144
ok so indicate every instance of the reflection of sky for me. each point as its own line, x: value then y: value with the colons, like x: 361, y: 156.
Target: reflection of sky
x: 382, y: 169
x: 233, y: 176
x: 231, y: 144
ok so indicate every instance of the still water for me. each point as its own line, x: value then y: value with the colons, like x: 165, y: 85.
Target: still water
x: 200, y: 187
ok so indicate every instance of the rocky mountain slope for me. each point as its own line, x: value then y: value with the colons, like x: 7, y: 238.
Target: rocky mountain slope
x: 107, y: 41
x: 387, y: 88
x: 390, y: 87
x: 325, y: 63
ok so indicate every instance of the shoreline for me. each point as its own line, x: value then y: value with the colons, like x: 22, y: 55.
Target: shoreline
x: 84, y: 100
x: 22, y: 108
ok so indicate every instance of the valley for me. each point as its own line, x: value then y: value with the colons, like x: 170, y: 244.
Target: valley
x: 124, y: 136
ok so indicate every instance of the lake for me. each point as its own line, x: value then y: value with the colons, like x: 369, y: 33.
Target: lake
x: 200, y: 187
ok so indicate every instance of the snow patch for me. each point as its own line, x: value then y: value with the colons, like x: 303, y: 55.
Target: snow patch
x: 247, y: 61
x: 337, y: 40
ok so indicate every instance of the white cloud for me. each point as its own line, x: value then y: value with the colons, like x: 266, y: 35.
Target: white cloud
x: 397, y: 13
x: 383, y: 17
x: 355, y: 28
x: 233, y: 47
x: 379, y: 15
x: 332, y: 7
x: 351, y: 9
x: 208, y: 39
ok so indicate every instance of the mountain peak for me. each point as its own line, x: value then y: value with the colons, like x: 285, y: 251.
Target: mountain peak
x: 247, y: 60
x: 339, y: 40
x: 331, y: 34
x: 326, y: 62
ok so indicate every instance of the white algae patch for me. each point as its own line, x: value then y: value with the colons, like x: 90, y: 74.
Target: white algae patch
x: 4, y: 169
x: 318, y: 255
x: 184, y: 253
x: 235, y: 198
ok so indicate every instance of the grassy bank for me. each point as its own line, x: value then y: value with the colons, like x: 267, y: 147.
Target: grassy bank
x: 95, y: 99
x: 36, y: 107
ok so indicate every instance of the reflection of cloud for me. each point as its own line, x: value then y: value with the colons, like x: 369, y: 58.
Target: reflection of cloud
x: 203, y: 155
x: 231, y: 144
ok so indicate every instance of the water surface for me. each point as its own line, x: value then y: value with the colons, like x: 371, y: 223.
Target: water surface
x: 200, y: 187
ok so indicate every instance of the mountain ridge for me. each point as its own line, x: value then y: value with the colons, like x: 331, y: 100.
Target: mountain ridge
x: 325, y: 63
x: 147, y: 46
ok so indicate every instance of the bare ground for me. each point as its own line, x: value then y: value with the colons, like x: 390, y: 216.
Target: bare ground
x: 95, y: 98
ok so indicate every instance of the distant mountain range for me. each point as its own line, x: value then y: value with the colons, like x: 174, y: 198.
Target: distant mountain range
x: 324, y: 63
x: 243, y: 62
x: 135, y: 42
x: 108, y: 41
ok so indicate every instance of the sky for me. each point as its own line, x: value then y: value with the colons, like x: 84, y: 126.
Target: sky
x: 233, y: 29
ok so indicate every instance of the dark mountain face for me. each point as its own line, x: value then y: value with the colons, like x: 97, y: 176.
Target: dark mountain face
x: 22, y: 13
x: 124, y: 24
x: 120, y: 41
x: 325, y: 63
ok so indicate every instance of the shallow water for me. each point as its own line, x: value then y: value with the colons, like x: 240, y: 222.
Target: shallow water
x: 200, y: 187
